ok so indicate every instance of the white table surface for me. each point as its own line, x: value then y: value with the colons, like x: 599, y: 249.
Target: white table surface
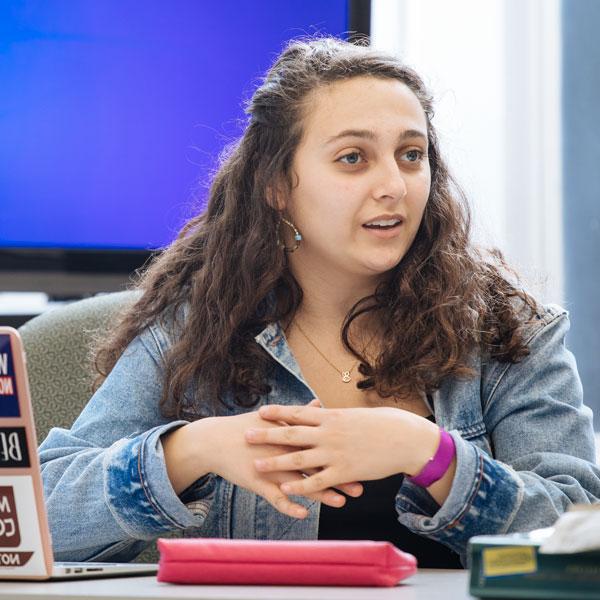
x: 425, y: 585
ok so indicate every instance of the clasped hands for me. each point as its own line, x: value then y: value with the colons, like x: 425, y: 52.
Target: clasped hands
x: 337, y: 448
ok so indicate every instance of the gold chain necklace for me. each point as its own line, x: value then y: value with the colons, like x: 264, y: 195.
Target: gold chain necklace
x: 346, y: 378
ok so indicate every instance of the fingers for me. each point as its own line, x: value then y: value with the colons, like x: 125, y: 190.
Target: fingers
x: 315, y: 483
x: 273, y: 495
x: 283, y: 436
x: 305, y: 461
x: 294, y: 415
x: 283, y: 504
x: 280, y: 501
x: 329, y: 497
x: 354, y: 488
x: 291, y: 461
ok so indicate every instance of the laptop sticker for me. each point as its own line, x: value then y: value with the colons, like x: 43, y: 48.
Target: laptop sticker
x: 13, y: 448
x: 9, y: 399
x: 20, y: 537
x: 10, y: 537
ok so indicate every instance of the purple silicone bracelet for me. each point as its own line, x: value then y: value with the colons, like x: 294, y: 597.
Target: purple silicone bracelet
x: 438, y: 464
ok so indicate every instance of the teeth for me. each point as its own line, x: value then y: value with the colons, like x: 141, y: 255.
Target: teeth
x: 384, y: 223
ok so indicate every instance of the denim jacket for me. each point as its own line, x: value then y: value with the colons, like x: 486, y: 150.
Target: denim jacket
x: 524, y: 447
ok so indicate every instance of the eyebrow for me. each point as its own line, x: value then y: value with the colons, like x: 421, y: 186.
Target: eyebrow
x: 369, y: 135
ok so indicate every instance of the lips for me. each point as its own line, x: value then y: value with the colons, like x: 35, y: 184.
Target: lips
x: 389, y: 225
x: 384, y: 222
x: 384, y: 232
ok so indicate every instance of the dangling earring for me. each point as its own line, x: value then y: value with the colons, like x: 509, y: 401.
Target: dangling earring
x: 297, y: 236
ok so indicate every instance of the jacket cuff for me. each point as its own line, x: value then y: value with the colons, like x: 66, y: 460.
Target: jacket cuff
x: 481, y: 486
x: 138, y: 491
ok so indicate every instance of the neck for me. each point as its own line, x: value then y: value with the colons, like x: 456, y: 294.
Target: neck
x: 329, y: 296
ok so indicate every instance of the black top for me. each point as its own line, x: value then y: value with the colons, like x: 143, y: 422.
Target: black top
x: 373, y: 516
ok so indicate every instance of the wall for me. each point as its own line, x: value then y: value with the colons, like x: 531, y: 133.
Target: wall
x: 581, y: 188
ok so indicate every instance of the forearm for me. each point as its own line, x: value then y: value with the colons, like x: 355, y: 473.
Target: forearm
x: 426, y: 440
x: 483, y: 498
x: 440, y: 490
x: 97, y: 497
x: 488, y: 496
x: 74, y: 496
x: 186, y: 460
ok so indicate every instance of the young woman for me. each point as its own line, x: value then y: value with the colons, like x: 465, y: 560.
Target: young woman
x: 323, y: 353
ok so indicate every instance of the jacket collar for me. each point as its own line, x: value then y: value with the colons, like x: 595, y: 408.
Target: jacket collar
x: 273, y: 341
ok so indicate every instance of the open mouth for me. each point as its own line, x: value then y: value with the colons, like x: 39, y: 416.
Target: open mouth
x: 383, y: 225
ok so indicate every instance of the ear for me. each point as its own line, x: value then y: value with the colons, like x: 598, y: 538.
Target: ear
x: 276, y: 197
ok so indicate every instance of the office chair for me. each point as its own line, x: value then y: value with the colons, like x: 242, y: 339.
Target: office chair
x: 58, y: 348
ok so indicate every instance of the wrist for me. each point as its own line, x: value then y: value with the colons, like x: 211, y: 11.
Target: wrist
x: 438, y: 464
x: 188, y: 452
x: 203, y: 443
x: 426, y: 439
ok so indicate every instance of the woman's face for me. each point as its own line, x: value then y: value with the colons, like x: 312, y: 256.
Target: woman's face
x: 362, y: 161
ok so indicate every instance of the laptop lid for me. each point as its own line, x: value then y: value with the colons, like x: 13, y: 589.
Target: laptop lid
x: 25, y: 547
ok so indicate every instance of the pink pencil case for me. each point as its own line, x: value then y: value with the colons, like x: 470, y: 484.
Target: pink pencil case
x: 218, y: 561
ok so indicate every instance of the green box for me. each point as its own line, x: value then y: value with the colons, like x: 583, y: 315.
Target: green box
x: 510, y: 566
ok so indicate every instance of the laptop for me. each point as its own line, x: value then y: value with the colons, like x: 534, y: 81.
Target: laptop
x: 25, y: 544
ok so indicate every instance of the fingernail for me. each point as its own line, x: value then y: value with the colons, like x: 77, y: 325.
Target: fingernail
x: 299, y: 512
x: 286, y: 488
x: 251, y: 433
x: 260, y: 464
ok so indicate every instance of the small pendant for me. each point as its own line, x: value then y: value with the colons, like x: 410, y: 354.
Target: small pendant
x: 346, y: 376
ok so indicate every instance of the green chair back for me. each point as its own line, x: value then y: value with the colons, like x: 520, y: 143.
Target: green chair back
x: 58, y: 346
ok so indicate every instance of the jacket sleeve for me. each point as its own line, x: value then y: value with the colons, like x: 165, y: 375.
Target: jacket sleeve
x: 105, y: 480
x: 542, y: 445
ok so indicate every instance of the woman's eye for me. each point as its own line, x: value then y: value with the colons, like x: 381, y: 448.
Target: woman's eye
x: 414, y: 155
x: 352, y: 158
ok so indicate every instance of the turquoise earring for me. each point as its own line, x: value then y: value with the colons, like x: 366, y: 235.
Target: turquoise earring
x: 297, y: 236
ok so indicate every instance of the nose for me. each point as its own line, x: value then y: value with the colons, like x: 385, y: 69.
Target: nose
x: 389, y: 182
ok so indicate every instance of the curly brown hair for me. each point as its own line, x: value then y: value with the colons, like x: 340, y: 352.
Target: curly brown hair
x: 444, y: 300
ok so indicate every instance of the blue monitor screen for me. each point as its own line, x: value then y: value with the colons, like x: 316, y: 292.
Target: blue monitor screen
x: 113, y: 113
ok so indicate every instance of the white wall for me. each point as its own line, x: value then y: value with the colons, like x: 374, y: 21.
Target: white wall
x: 494, y: 69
